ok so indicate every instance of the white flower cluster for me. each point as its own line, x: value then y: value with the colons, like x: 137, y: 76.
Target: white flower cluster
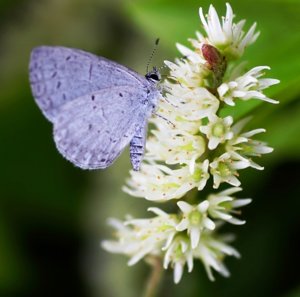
x: 201, y: 145
x: 183, y: 237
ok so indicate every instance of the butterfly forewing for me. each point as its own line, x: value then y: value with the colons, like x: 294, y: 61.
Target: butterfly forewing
x: 59, y: 75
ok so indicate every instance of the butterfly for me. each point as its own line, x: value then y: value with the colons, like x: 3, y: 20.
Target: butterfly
x: 97, y: 106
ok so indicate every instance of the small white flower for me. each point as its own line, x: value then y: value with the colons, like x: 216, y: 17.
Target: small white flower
x: 178, y: 252
x: 217, y: 130
x: 243, y: 147
x: 187, y: 73
x: 222, y: 205
x: 224, y: 169
x: 193, y: 56
x: 199, y: 104
x: 228, y: 37
x: 173, y: 148
x: 137, y: 238
x: 248, y: 86
x: 200, y: 173
x: 176, y: 115
x: 159, y: 182
x: 194, y: 220
x: 211, y: 251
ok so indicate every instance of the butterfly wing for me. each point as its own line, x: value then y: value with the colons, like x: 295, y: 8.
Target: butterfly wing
x: 59, y: 75
x: 92, y: 130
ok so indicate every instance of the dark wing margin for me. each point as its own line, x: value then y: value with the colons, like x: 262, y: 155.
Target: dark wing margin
x: 59, y: 75
x: 93, y: 130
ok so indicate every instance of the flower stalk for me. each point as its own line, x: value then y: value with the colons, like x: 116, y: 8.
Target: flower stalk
x: 155, y: 276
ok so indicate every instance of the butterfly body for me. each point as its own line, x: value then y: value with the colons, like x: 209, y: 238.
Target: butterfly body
x: 96, y: 106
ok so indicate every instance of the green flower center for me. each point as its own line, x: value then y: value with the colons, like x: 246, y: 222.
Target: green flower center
x: 197, y: 175
x: 224, y: 170
x: 247, y: 149
x: 178, y: 251
x: 195, y: 217
x: 218, y: 130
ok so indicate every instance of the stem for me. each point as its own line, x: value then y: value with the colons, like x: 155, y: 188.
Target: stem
x: 154, y: 278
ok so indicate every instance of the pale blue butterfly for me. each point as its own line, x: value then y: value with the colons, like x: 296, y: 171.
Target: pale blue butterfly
x: 97, y: 106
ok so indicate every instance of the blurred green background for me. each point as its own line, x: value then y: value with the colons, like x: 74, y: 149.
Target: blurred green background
x: 53, y: 216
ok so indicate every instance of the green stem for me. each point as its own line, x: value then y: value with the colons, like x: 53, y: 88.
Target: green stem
x: 155, y: 276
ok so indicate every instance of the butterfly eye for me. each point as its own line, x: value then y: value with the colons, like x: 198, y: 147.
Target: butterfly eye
x: 154, y: 76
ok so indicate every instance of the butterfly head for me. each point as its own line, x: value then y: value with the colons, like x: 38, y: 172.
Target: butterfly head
x: 153, y: 75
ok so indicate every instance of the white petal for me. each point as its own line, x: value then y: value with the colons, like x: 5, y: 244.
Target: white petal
x: 233, y: 181
x: 209, y: 224
x: 184, y: 206
x: 253, y: 132
x: 230, y: 191
x: 158, y: 212
x: 227, y: 26
x: 178, y: 271
x: 228, y: 121
x: 236, y: 221
x: 213, y: 142
x: 215, y: 26
x: 267, y: 82
x: 248, y: 39
x: 192, y: 56
x: 203, y: 206
x: 168, y: 241
x: 192, y: 164
x: 167, y: 258
x: 183, y: 225
x: 223, y: 89
x: 203, y: 20
x: 221, y: 215
x: 195, y: 236
x: 241, y: 202
x: 190, y: 262
x: 138, y: 256
x: 240, y: 165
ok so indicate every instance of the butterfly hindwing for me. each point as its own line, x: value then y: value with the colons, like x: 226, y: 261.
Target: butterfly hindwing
x: 92, y: 130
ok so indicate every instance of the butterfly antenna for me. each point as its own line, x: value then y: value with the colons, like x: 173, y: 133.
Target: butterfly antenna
x: 162, y: 117
x: 152, y: 54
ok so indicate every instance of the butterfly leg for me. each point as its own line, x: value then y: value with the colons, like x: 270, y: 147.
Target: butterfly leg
x: 137, y: 146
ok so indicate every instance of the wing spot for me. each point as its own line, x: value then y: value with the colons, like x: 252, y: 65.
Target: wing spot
x: 90, y: 126
x: 64, y: 96
x: 120, y: 94
x: 58, y: 85
x: 94, y: 107
x: 102, y: 160
x: 93, y: 97
x: 68, y: 58
x: 54, y: 74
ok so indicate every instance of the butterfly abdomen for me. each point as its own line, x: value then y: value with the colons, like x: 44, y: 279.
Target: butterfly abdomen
x: 137, y: 147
